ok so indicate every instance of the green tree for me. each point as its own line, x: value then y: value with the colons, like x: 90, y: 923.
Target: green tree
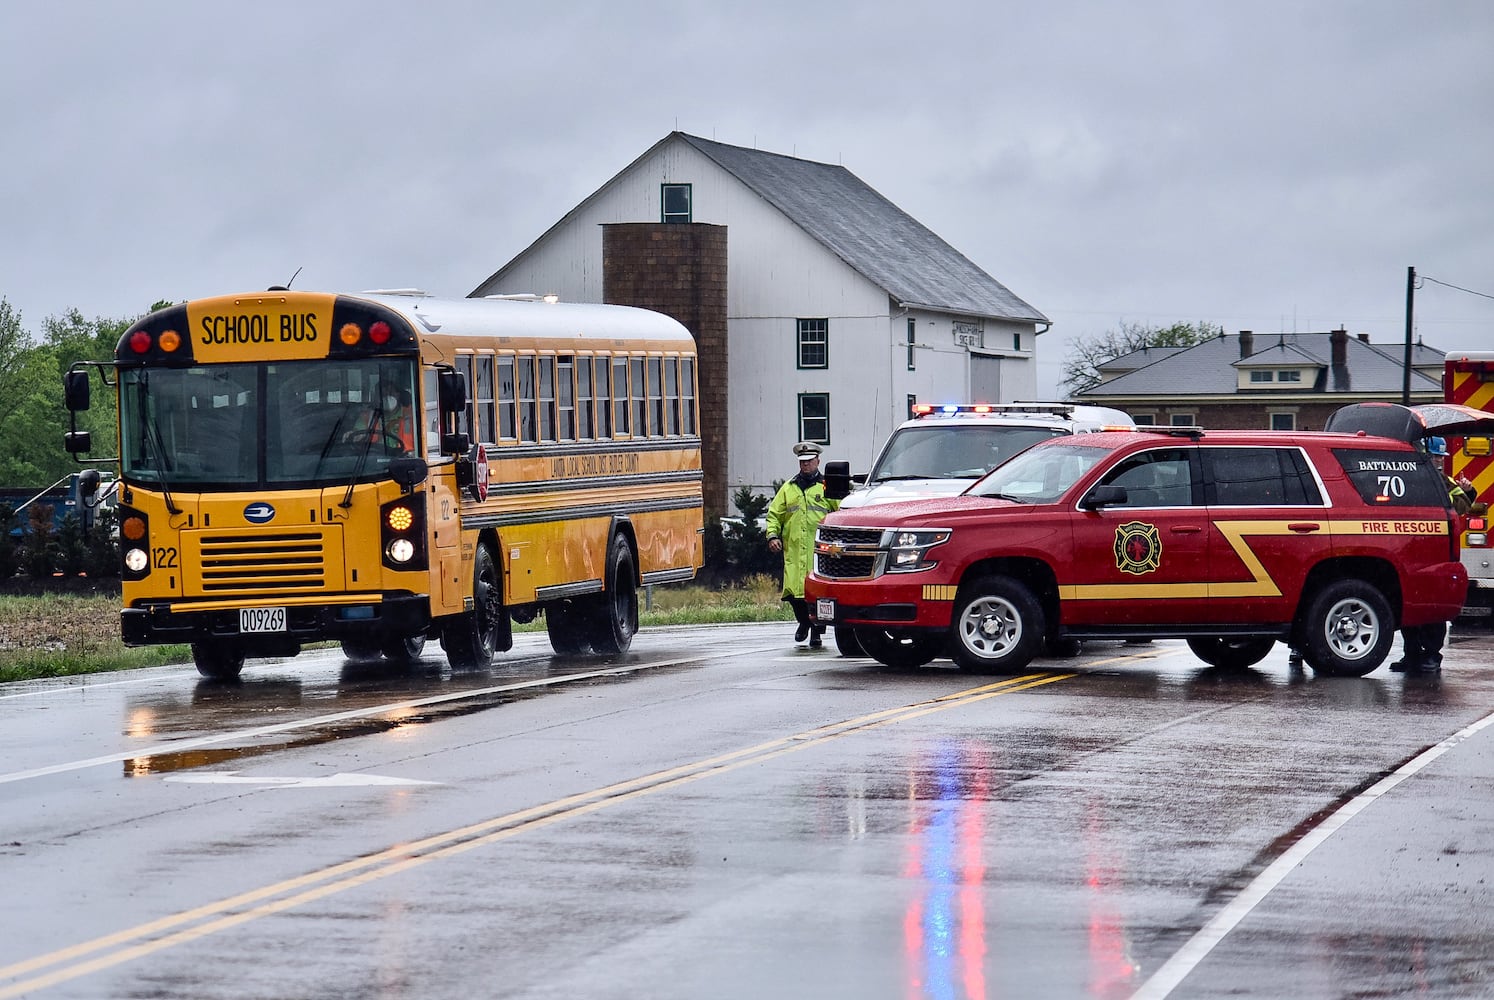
x: 1083, y: 356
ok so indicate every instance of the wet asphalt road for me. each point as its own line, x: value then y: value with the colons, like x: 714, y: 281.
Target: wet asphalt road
x: 723, y: 814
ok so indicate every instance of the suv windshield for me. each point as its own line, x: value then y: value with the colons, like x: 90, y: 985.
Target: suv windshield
x: 1041, y: 475
x: 253, y: 424
x: 953, y: 451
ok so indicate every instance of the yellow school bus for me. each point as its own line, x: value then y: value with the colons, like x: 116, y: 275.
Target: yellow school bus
x: 386, y: 467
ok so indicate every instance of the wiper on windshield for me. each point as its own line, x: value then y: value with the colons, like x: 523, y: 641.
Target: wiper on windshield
x: 898, y: 479
x: 375, y: 431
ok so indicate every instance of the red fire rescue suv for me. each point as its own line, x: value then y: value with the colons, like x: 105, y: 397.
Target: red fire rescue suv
x: 1232, y: 540
x: 1468, y: 380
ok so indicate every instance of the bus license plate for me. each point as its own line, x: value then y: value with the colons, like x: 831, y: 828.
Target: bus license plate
x: 824, y: 609
x: 261, y: 619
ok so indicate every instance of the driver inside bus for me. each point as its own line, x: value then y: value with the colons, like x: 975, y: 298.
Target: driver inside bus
x: 392, y: 424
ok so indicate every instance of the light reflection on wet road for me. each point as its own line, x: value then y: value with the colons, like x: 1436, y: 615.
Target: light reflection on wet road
x: 723, y: 814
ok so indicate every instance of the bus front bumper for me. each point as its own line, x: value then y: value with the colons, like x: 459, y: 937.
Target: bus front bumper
x: 388, y: 615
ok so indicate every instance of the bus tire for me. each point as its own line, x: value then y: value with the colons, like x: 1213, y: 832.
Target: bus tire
x: 568, y: 626
x: 217, y: 660
x: 472, y: 637
x: 614, y: 612
x: 361, y: 650
x: 402, y: 650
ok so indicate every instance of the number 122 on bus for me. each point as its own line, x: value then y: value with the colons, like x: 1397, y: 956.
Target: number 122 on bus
x: 380, y: 469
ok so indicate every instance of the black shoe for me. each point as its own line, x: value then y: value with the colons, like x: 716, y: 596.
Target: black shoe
x: 1417, y: 666
x: 815, y: 642
x: 1399, y: 666
x: 801, y: 633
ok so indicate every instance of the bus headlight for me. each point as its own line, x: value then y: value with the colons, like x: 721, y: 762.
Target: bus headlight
x: 136, y: 560
x: 401, y: 550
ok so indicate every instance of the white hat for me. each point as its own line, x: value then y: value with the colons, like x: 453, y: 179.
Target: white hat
x: 806, y: 450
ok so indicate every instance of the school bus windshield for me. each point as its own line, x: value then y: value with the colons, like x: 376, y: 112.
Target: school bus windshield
x: 282, y: 423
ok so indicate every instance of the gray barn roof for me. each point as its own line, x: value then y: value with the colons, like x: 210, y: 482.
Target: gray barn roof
x: 877, y: 239
x: 1209, y: 368
x: 873, y: 236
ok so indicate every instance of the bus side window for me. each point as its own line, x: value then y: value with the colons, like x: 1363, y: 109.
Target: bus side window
x: 620, y: 410
x: 672, y: 396
x: 431, y: 418
x: 528, y: 418
x: 687, y: 396
x: 655, y: 397
x: 507, y: 400
x: 602, y: 366
x: 484, y: 393
x: 547, y: 397
x: 639, y: 395
x: 584, y: 416
x: 565, y: 398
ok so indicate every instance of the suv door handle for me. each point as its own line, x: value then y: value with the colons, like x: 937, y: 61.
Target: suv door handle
x: 1302, y: 527
x: 1185, y: 529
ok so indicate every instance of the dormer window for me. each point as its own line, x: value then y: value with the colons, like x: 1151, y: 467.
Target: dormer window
x: 1258, y: 376
x: 1292, y: 375
x: 675, y: 201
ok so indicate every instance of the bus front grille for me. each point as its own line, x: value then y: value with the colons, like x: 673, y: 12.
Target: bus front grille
x: 285, y: 561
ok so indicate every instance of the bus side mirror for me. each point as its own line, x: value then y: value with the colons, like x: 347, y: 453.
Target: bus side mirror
x: 456, y: 444
x: 88, y: 483
x: 453, y: 392
x: 75, y: 392
x: 407, y: 470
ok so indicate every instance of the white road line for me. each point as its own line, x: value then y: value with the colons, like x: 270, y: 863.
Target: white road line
x: 1191, y: 954
x: 361, y: 713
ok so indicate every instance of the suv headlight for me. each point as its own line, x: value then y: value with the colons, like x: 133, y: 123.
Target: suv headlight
x: 908, y: 549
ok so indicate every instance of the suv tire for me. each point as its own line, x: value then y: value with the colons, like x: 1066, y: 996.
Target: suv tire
x: 1232, y: 653
x: 1347, y: 629
x: 998, y: 626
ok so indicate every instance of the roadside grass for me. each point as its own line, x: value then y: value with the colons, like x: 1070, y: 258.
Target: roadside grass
x: 56, y: 635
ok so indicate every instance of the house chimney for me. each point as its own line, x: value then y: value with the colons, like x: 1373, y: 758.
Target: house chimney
x: 1340, y: 341
x: 1363, y: 337
x: 1247, y: 343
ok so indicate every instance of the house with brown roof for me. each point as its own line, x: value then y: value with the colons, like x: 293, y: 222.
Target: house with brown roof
x: 1287, y: 381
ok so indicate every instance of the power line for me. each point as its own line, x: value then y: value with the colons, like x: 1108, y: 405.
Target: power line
x: 1460, y: 288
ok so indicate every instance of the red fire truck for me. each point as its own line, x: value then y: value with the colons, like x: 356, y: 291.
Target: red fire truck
x: 1468, y: 379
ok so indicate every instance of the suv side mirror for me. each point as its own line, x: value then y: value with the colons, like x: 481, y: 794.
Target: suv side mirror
x: 837, y: 480
x: 1104, y: 496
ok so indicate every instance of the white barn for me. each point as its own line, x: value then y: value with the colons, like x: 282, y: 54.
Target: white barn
x: 838, y: 310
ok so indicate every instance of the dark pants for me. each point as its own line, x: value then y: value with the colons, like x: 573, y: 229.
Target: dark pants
x: 1423, y: 643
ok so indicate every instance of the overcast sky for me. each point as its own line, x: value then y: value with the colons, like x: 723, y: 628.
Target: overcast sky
x: 1263, y: 165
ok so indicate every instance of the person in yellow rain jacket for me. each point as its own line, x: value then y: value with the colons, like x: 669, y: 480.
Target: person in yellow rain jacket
x: 793, y: 515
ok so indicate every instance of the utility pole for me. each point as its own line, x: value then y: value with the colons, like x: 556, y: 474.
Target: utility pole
x: 1410, y: 304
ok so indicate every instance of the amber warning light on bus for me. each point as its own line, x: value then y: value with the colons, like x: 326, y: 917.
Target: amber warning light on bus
x: 168, y: 341
x: 352, y: 333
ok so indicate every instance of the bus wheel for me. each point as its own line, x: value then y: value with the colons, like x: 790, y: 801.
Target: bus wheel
x: 566, y: 621
x: 472, y: 637
x: 614, y: 612
x: 405, y: 650
x: 220, y: 661
x: 361, y: 650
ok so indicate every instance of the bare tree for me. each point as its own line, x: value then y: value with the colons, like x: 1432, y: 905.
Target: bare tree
x: 1083, y: 356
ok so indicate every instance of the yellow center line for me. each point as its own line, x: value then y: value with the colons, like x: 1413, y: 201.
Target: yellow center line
x: 201, y: 921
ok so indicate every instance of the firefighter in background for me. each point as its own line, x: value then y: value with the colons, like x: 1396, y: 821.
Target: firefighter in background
x: 793, y: 515
x: 1421, y: 646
